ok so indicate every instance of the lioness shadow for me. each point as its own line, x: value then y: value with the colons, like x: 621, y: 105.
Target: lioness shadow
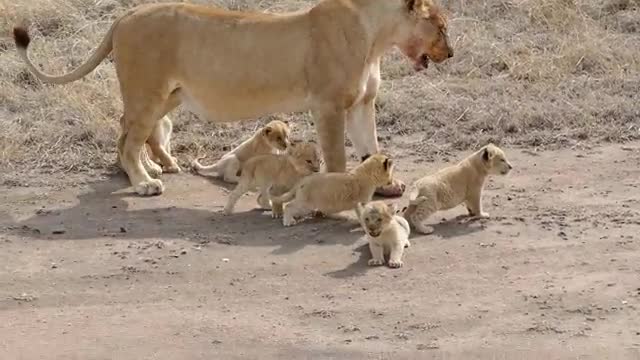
x: 110, y: 209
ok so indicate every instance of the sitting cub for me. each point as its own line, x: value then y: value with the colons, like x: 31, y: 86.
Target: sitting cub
x: 281, y: 172
x: 274, y: 136
x: 334, y: 192
x: 454, y: 185
x: 387, y: 232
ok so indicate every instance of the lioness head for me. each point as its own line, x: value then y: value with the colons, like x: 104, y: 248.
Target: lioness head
x: 495, y: 160
x: 425, y: 38
x: 378, y: 167
x: 305, y: 156
x: 276, y: 133
x: 375, y: 216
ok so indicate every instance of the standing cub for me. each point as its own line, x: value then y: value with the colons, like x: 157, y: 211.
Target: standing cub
x: 274, y: 136
x: 454, y: 185
x: 334, y: 192
x: 278, y: 171
x: 387, y: 232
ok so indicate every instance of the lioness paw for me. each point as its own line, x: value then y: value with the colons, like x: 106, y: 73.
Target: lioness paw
x: 149, y: 188
x: 375, y: 262
x: 395, y: 264
x: 423, y: 229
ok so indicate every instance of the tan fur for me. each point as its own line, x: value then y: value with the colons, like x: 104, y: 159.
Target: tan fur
x: 231, y: 66
x: 454, y: 185
x: 387, y: 232
x: 279, y: 171
x: 272, y: 137
x: 334, y: 192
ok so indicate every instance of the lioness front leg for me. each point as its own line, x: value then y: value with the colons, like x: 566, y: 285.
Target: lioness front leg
x: 329, y: 125
x: 361, y: 128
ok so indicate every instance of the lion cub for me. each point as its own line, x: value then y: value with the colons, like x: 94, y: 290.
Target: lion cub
x: 334, y: 192
x: 387, y: 232
x: 454, y: 185
x: 274, y: 136
x: 276, y: 171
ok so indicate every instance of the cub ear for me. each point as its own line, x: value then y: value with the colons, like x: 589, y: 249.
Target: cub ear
x: 487, y: 154
x: 365, y: 157
x: 388, y: 163
x: 267, y: 130
x: 422, y: 7
x: 394, y: 208
x: 404, y: 210
x: 359, y: 209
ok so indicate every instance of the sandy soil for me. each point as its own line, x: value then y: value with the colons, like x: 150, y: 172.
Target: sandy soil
x: 94, y: 272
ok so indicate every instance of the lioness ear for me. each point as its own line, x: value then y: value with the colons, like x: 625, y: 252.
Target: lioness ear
x: 422, y: 7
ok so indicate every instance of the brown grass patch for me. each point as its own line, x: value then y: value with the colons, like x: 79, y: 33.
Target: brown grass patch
x: 526, y: 72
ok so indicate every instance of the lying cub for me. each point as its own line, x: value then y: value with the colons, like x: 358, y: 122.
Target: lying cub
x: 387, y: 232
x: 274, y: 136
x: 334, y: 192
x: 454, y: 185
x: 278, y: 171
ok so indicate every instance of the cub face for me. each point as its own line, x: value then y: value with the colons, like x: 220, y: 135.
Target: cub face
x: 305, y: 155
x: 276, y: 133
x: 375, y: 216
x: 496, y: 160
x: 380, y: 167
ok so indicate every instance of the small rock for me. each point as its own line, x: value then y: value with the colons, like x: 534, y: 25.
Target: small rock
x: 58, y: 231
x: 183, y: 252
x: 225, y: 260
x: 123, y: 229
x: 54, y: 265
x: 429, y: 346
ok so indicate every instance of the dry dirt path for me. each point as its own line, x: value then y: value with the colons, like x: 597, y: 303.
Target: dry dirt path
x: 92, y: 272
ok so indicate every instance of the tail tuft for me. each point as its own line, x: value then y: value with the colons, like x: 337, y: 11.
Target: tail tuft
x: 21, y: 37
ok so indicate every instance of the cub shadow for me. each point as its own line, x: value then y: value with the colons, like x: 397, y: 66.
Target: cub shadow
x: 107, y: 210
x: 357, y: 268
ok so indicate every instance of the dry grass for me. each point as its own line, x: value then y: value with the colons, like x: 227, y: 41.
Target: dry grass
x: 526, y: 72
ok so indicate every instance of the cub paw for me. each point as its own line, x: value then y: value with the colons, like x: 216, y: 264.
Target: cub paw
x: 375, y: 262
x: 172, y: 169
x: 149, y: 188
x: 395, y: 264
x: 423, y: 229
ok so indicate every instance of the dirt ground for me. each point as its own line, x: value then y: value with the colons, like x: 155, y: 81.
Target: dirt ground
x: 95, y: 272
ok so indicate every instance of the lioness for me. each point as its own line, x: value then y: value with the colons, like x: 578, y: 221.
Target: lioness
x: 232, y: 65
x: 454, y: 185
x: 334, y: 192
x: 274, y: 170
x: 273, y: 136
x: 387, y: 232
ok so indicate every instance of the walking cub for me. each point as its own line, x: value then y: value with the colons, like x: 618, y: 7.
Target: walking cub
x: 281, y: 172
x: 454, y: 185
x: 334, y: 192
x: 274, y: 136
x: 387, y: 232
